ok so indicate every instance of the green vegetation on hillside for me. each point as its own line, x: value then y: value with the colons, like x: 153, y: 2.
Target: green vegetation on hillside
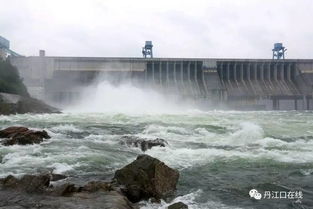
x: 10, y: 81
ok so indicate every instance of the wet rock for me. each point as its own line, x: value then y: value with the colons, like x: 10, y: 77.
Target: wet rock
x: 143, y: 144
x: 27, y: 183
x: 147, y: 177
x: 57, y: 177
x: 95, y: 186
x: 22, y: 136
x: 103, y: 200
x: 178, y: 205
x: 35, y: 192
x: 66, y: 189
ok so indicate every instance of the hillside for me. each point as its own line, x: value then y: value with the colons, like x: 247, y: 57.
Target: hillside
x: 10, y: 81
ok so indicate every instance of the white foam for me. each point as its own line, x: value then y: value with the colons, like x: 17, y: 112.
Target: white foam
x: 247, y: 133
x: 165, y: 130
x: 188, y: 199
x: 59, y: 168
x: 204, y: 132
x: 66, y: 128
x: 306, y: 172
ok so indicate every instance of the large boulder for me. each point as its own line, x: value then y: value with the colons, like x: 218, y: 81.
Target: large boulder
x: 22, y: 136
x: 178, y: 205
x: 28, y: 183
x: 147, y: 177
x: 16, y: 104
x: 142, y: 143
x: 94, y: 186
x: 33, y: 191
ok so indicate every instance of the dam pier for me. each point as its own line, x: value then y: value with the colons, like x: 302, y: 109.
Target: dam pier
x: 256, y: 84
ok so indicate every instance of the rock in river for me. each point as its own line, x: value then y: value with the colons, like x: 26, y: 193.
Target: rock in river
x: 28, y: 183
x: 32, y: 191
x: 147, y: 177
x: 143, y: 144
x: 22, y: 136
x: 178, y: 205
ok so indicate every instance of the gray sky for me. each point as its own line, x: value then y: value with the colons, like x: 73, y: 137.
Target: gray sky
x: 178, y: 28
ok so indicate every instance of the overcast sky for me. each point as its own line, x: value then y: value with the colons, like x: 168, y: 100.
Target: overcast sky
x: 178, y: 28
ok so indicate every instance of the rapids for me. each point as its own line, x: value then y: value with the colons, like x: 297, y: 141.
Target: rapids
x: 221, y: 155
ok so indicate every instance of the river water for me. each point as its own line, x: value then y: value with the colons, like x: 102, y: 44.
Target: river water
x: 220, y: 155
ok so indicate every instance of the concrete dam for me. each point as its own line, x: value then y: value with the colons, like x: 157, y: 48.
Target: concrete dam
x: 256, y: 84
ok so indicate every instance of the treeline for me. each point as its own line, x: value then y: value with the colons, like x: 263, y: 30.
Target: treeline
x: 10, y: 81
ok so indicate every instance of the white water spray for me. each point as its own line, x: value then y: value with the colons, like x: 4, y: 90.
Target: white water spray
x: 125, y: 98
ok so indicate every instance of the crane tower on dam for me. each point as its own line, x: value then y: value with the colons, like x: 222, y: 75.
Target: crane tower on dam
x: 147, y: 50
x: 279, y: 51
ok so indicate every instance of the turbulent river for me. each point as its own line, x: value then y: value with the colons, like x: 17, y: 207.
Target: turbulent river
x: 221, y: 155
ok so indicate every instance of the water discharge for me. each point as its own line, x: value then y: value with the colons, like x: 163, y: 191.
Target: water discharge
x: 126, y: 98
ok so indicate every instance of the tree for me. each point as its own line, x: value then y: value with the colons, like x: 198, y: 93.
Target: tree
x: 10, y: 81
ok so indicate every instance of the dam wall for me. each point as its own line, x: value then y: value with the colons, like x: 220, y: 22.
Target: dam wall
x: 256, y: 84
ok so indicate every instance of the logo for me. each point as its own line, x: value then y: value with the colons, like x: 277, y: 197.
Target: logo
x: 255, y: 194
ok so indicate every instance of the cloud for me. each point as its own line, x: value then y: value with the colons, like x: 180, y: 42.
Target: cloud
x: 178, y: 28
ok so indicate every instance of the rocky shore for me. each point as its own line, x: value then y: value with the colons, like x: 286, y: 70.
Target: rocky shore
x: 16, y: 104
x: 146, y: 178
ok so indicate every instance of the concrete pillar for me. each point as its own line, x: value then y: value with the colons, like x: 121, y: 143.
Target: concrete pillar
x: 167, y: 73
x: 221, y: 72
x: 249, y: 72
x: 205, y: 85
x: 160, y: 73
x: 227, y: 73
x: 235, y: 74
x: 153, y: 79
x: 241, y: 72
x: 255, y: 73
x: 269, y: 71
x: 275, y: 78
x: 262, y: 72
x: 289, y: 72
x: 275, y: 72
x: 174, y: 73
x: 282, y: 72
x: 195, y: 71
x: 190, y: 86
x: 275, y: 104
x: 146, y: 74
x: 296, y: 104
x: 196, y: 78
x: 250, y: 68
x: 182, y: 77
x: 182, y: 70
x: 188, y: 71
x: 242, y: 81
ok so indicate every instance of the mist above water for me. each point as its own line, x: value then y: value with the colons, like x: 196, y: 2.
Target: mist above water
x: 126, y: 98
